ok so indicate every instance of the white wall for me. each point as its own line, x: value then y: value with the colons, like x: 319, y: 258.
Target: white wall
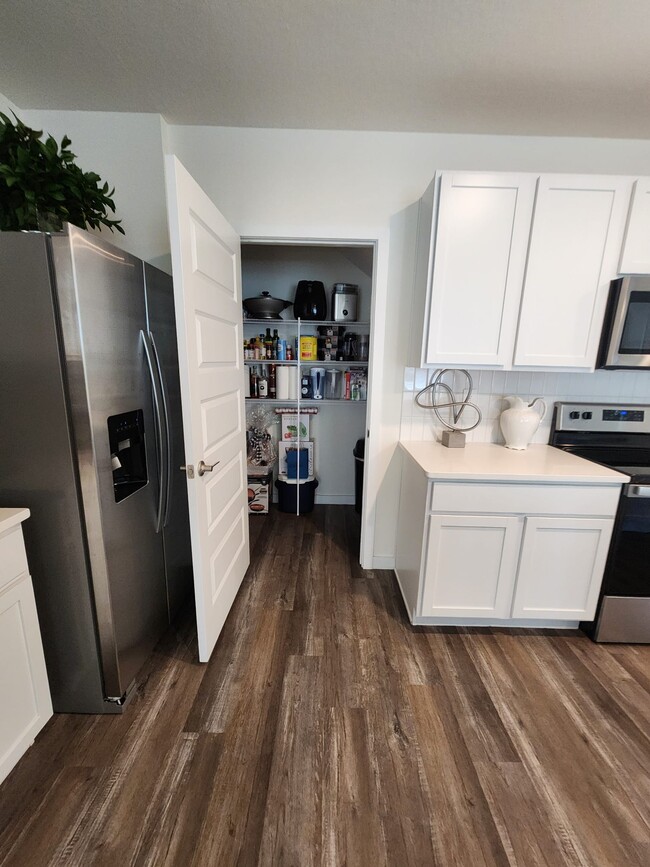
x: 126, y: 150
x: 297, y: 182
x: 7, y: 106
x: 281, y: 181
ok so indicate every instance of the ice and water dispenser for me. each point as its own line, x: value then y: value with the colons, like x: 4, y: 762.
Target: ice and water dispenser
x: 128, y: 453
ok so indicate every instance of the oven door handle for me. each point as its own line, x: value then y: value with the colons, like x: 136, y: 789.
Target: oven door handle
x: 636, y: 491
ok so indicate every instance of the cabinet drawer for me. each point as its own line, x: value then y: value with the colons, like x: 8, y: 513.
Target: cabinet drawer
x: 13, y: 559
x: 525, y: 499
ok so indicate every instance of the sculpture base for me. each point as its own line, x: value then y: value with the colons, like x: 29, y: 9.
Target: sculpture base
x: 453, y: 439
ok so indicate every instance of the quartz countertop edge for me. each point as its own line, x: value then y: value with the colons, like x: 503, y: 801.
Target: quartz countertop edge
x: 490, y: 462
x: 10, y: 517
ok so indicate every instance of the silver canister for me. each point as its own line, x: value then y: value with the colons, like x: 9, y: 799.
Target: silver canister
x: 345, y: 298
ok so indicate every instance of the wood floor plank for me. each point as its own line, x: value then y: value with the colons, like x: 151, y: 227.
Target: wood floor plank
x: 326, y: 730
x: 187, y: 808
x: 463, y: 828
x: 483, y: 730
x: 293, y: 815
x: 352, y: 830
x: 44, y: 839
x: 560, y: 763
x: 251, y: 727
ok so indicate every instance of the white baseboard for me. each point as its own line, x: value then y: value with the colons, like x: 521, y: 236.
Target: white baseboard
x: 494, y: 621
x: 383, y: 562
x: 334, y: 499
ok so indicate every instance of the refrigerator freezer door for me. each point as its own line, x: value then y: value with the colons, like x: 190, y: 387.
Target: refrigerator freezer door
x: 38, y: 470
x: 101, y: 297
x: 176, y: 525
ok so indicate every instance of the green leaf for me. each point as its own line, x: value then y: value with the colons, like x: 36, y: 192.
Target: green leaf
x: 35, y: 173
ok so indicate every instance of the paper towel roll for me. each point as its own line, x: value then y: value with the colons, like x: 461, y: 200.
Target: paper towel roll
x: 293, y: 383
x: 282, y: 382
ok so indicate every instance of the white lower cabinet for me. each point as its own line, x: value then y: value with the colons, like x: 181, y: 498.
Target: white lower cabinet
x: 470, y: 565
x: 507, y: 565
x: 560, y: 568
x: 26, y: 704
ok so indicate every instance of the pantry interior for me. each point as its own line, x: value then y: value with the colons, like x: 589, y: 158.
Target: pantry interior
x: 277, y: 267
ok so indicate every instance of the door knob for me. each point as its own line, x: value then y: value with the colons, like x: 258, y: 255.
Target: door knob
x: 205, y: 468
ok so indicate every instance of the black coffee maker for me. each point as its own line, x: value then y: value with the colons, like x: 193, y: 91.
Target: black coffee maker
x: 310, y: 301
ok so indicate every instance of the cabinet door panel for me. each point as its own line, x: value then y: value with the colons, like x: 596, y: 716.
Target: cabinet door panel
x: 470, y: 565
x: 479, y: 258
x: 23, y: 679
x: 576, y: 237
x: 635, y: 258
x: 561, y: 568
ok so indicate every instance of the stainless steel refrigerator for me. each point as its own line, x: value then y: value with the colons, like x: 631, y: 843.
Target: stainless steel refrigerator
x: 91, y: 442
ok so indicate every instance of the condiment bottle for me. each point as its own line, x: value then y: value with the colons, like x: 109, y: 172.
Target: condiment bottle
x: 262, y: 385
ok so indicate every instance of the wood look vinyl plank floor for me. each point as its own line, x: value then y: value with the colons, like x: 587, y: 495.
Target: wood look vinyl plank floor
x: 326, y: 730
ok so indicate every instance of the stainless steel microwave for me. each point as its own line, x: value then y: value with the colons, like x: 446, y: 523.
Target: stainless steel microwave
x: 625, y: 341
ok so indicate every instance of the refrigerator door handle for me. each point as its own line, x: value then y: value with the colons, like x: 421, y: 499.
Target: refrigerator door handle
x: 168, y: 431
x: 161, y: 433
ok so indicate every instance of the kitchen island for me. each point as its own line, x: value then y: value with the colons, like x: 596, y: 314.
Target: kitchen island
x: 493, y: 536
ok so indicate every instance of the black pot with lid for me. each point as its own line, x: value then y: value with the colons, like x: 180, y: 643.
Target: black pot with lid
x: 264, y: 306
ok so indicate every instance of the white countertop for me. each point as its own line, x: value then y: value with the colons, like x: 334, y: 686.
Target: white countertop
x: 10, y: 517
x: 492, y: 462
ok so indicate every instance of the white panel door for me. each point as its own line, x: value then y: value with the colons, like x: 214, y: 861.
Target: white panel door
x: 470, y: 566
x: 207, y: 291
x: 635, y: 258
x: 478, y: 267
x: 561, y: 568
x: 574, y: 249
x: 26, y: 704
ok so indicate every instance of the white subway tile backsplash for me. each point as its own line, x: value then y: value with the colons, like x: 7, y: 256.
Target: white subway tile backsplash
x: 523, y: 383
x: 490, y: 387
x: 421, y: 378
x: 499, y: 381
x: 483, y: 382
x: 550, y: 383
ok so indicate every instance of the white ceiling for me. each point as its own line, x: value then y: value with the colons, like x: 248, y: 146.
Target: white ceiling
x: 547, y: 67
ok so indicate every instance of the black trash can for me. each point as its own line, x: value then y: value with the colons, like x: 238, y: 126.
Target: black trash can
x: 289, y: 490
x: 359, y: 452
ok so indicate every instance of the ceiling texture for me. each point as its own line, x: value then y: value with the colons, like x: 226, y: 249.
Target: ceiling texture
x: 528, y: 67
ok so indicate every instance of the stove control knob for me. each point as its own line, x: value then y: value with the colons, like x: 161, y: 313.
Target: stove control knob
x: 586, y: 415
x: 574, y: 414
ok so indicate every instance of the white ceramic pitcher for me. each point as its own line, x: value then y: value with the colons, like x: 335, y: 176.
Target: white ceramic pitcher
x: 520, y: 421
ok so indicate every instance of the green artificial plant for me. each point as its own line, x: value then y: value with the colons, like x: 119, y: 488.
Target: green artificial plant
x: 42, y: 187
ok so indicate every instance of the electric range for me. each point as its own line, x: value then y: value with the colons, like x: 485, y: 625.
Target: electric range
x: 617, y: 436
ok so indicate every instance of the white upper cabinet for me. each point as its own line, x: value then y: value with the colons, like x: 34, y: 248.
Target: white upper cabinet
x: 479, y: 258
x: 635, y: 258
x: 515, y: 268
x: 573, y: 254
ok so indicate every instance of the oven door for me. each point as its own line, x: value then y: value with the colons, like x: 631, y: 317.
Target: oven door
x: 627, y: 572
x: 624, y: 611
x: 626, y: 332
